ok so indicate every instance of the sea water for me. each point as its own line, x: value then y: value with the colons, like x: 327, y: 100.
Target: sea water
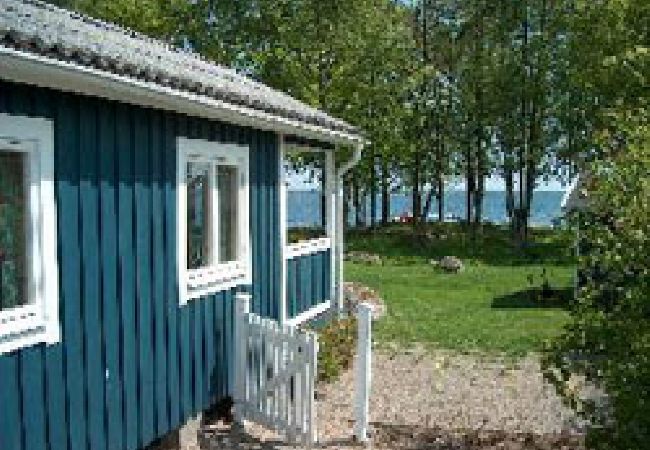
x: 304, y: 207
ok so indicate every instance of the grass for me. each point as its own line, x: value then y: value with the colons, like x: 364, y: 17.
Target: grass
x: 500, y: 303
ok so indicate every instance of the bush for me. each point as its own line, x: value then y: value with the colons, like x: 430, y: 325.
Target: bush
x: 337, y: 344
x: 608, y: 339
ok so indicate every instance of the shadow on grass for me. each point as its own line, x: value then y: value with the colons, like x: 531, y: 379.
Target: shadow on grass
x: 535, y: 297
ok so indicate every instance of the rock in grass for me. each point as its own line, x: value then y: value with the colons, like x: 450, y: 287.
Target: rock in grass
x: 451, y: 264
x: 363, y: 257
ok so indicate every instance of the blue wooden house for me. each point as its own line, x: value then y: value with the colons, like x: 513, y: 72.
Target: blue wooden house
x: 141, y: 187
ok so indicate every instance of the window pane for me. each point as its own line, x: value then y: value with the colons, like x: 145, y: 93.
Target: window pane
x: 198, y: 215
x: 13, y: 246
x: 228, y: 190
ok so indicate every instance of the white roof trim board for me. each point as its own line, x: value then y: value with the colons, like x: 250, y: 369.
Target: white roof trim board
x: 56, y: 39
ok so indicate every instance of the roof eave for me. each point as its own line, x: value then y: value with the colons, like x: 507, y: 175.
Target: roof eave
x: 25, y: 67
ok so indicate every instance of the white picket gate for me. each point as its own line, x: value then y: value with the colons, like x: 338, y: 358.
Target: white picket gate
x: 275, y: 375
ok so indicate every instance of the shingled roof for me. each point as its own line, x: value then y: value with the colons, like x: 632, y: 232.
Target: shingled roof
x: 39, y: 28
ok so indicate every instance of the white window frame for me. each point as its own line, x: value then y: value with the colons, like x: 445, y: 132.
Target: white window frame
x: 38, y: 321
x: 216, y: 277
x: 309, y: 246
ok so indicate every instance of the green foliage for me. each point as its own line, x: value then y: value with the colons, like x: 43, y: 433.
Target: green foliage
x: 608, y: 338
x: 171, y: 20
x: 303, y: 234
x: 337, y: 345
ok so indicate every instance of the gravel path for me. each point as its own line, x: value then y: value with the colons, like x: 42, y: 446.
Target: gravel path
x: 437, y: 401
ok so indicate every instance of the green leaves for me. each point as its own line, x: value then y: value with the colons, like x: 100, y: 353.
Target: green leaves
x: 610, y: 328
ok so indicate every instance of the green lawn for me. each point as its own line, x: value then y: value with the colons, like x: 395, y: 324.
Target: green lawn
x: 495, y: 305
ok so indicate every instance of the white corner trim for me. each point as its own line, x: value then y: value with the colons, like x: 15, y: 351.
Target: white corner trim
x: 282, y: 196
x: 25, y: 67
x: 330, y: 217
x: 340, y: 225
x: 37, y: 321
x: 309, y: 247
x: 309, y: 314
x: 193, y: 284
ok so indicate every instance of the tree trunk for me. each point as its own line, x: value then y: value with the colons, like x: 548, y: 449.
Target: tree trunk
x: 469, y: 185
x: 510, y: 194
x: 440, y: 195
x: 427, y: 204
x: 385, y: 193
x: 373, y: 190
x: 478, y: 199
x: 417, y: 201
x: 356, y: 194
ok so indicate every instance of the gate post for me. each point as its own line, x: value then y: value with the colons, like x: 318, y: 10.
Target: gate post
x: 363, y: 372
x: 242, y: 308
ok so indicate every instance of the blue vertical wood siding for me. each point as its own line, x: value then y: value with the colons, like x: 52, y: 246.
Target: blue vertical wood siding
x: 308, y: 281
x: 132, y: 364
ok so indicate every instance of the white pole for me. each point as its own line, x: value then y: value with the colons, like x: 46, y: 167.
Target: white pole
x: 313, y: 360
x: 330, y: 222
x: 340, y: 226
x: 338, y: 248
x: 283, y: 188
x: 242, y: 308
x: 363, y: 372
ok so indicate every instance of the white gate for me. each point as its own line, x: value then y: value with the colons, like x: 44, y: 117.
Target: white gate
x: 275, y: 375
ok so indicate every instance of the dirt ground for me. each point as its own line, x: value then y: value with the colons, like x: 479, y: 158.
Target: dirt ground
x: 425, y: 400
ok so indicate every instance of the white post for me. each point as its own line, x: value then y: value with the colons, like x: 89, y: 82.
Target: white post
x: 282, y: 187
x: 330, y: 222
x: 363, y: 372
x: 340, y: 228
x: 242, y: 308
x: 313, y: 361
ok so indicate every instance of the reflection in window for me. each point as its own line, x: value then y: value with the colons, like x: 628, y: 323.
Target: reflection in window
x: 227, y: 191
x: 198, y: 215
x: 13, y: 246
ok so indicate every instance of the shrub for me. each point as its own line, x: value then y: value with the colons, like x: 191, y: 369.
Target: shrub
x: 337, y: 344
x: 608, y: 339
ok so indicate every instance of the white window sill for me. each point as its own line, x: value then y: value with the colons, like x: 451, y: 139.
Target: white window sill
x: 307, y: 247
x: 311, y: 313
x: 211, y: 280
x: 24, y: 326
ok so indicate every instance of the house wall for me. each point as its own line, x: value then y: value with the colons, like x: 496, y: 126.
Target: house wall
x: 132, y: 364
x: 308, y: 282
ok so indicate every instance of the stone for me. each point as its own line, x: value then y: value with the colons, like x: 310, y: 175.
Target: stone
x: 363, y: 257
x: 184, y: 438
x: 451, y: 264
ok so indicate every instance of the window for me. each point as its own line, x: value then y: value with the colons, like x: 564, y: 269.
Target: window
x: 213, y: 228
x: 28, y: 260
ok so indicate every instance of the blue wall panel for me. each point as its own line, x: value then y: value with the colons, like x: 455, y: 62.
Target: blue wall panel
x: 308, y: 281
x: 132, y: 364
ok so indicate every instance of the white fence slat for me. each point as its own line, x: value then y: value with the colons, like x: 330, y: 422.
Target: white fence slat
x: 276, y: 376
x: 284, y: 391
x: 306, y: 407
x: 241, y: 331
x: 264, y: 331
x: 313, y: 419
x: 292, y: 393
